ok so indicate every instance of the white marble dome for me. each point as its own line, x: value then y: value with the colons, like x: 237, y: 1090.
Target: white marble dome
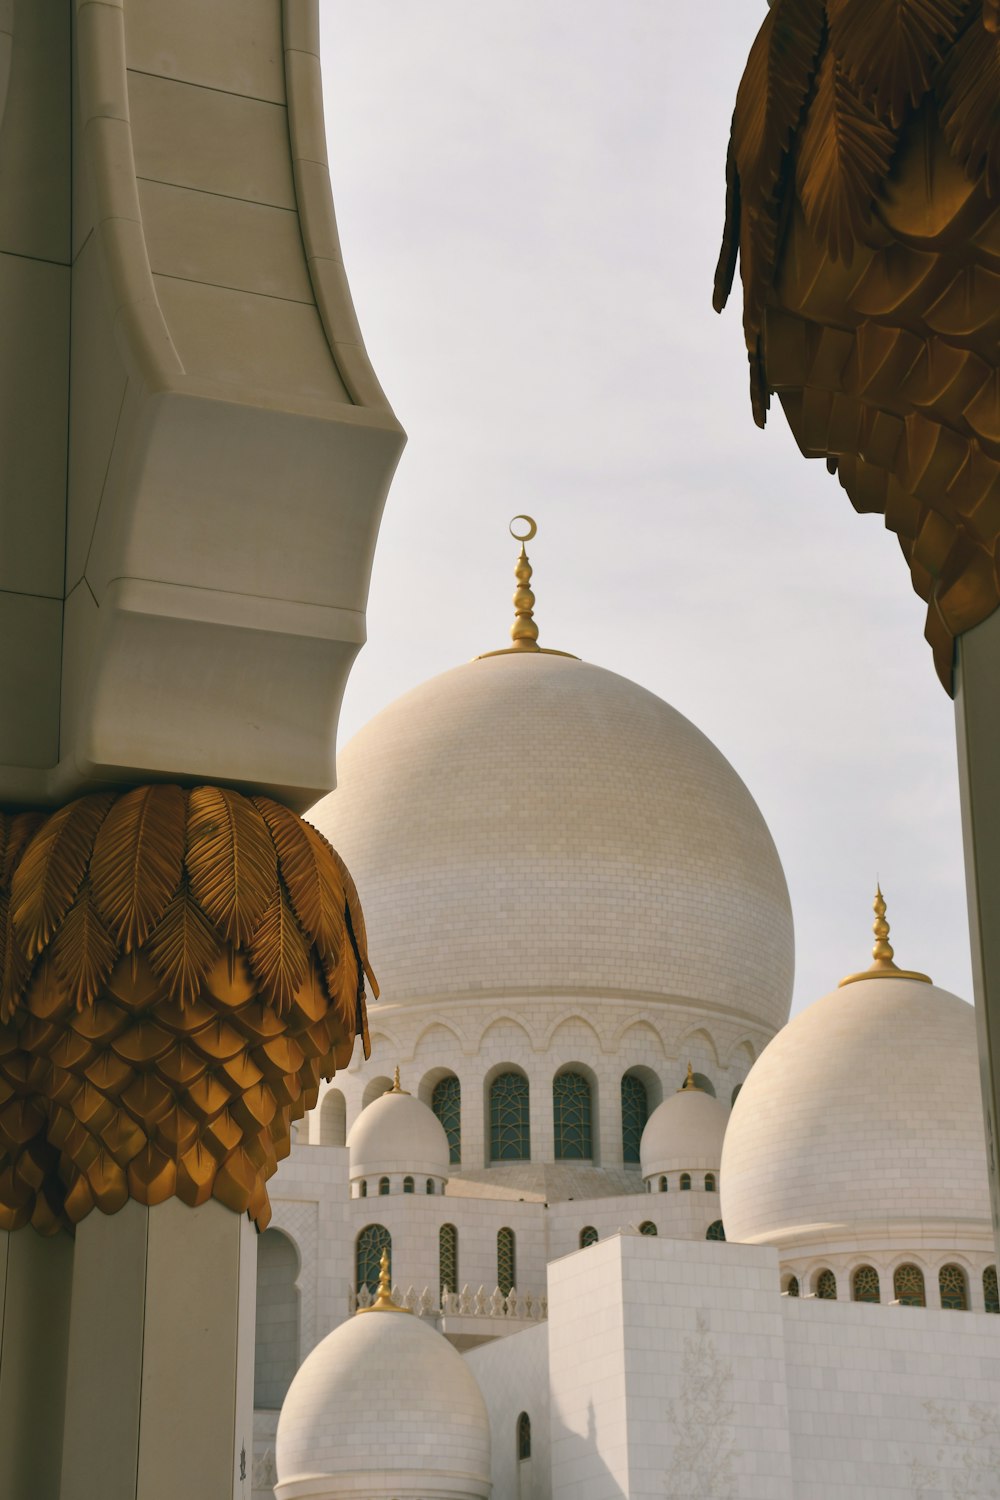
x: 397, y: 1133
x: 383, y: 1406
x: 531, y: 824
x: 861, y: 1126
x: 684, y: 1133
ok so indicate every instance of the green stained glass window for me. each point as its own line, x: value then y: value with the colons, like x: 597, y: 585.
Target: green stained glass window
x: 372, y: 1240
x: 383, y: 1187
x: 793, y: 1286
x: 951, y: 1280
x: 448, y: 1258
x: 864, y: 1284
x: 588, y: 1236
x: 826, y: 1286
x: 446, y: 1102
x: 715, y: 1231
x: 509, y: 1136
x: 635, y: 1113
x: 991, y: 1297
x: 709, y: 1182
x: 506, y: 1262
x: 908, y: 1286
x: 648, y: 1227
x: 685, y: 1182
x: 407, y: 1184
x: 571, y: 1117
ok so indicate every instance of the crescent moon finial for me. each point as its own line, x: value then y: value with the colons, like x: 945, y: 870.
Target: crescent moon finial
x: 523, y: 536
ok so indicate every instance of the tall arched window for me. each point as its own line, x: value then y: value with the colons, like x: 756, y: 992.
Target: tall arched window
x: 792, y: 1286
x: 648, y: 1227
x: 571, y: 1117
x: 430, y: 1184
x: 447, y: 1259
x: 368, y: 1247
x: 506, y: 1261
x: 333, y: 1119
x: 709, y: 1182
x: 276, y: 1352
x: 635, y: 1113
x: 509, y: 1135
x: 664, y: 1185
x: 991, y: 1296
x: 685, y: 1182
x: 446, y: 1102
x: 908, y: 1286
x: 524, y: 1436
x: 588, y: 1236
x: 954, y: 1292
x: 826, y: 1286
x: 407, y: 1184
x: 383, y: 1187
x: 363, y: 1189
x: 715, y: 1231
x: 864, y: 1285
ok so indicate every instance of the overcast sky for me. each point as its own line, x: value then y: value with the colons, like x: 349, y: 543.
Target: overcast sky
x: 530, y: 199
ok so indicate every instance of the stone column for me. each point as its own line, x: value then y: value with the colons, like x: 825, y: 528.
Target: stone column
x: 160, y: 1372
x: 977, y: 714
x: 35, y: 1275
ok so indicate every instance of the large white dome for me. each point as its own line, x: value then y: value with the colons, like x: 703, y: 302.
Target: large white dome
x: 684, y: 1133
x: 398, y: 1133
x: 383, y: 1406
x: 861, y: 1125
x: 533, y: 824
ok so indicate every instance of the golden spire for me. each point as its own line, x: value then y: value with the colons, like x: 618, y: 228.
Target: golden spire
x: 383, y: 1301
x: 524, y: 631
x: 882, y: 951
x: 689, y: 1085
x: 397, y: 1087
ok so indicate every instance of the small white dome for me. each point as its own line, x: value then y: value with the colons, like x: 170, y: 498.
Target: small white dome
x: 683, y: 1134
x: 398, y: 1133
x: 384, y: 1406
x: 860, y: 1125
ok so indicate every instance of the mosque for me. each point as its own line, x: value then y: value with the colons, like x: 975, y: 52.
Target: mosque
x: 596, y: 1219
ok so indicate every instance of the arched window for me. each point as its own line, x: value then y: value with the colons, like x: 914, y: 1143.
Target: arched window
x: 276, y: 1354
x: 430, y: 1184
x: 991, y: 1297
x: 333, y: 1119
x: 407, y: 1184
x: 864, y: 1285
x: 664, y: 1185
x: 702, y: 1081
x: 635, y: 1113
x: 506, y: 1260
x: 509, y: 1136
x: 363, y: 1189
x: 715, y: 1231
x: 588, y: 1236
x: 685, y: 1182
x: 374, y: 1089
x: 447, y: 1259
x: 571, y: 1117
x: 647, y: 1227
x: 383, y: 1187
x: 954, y: 1292
x: 826, y: 1286
x: 523, y: 1436
x: 792, y: 1288
x: 368, y: 1247
x: 446, y: 1102
x: 732, y: 1100
x: 908, y: 1286
x: 709, y: 1182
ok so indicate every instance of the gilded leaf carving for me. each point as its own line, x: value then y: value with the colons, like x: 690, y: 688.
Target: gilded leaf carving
x: 146, y: 1050
x: 868, y: 236
x: 231, y: 861
x: 138, y: 861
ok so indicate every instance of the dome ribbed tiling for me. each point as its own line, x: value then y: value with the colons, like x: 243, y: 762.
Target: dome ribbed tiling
x: 537, y: 825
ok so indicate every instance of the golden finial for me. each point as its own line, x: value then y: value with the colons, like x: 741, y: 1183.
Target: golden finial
x: 524, y: 631
x: 383, y: 1300
x: 882, y: 950
x: 397, y: 1087
x: 689, y: 1085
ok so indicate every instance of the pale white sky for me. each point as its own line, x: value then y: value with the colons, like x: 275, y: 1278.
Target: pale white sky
x: 530, y: 199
